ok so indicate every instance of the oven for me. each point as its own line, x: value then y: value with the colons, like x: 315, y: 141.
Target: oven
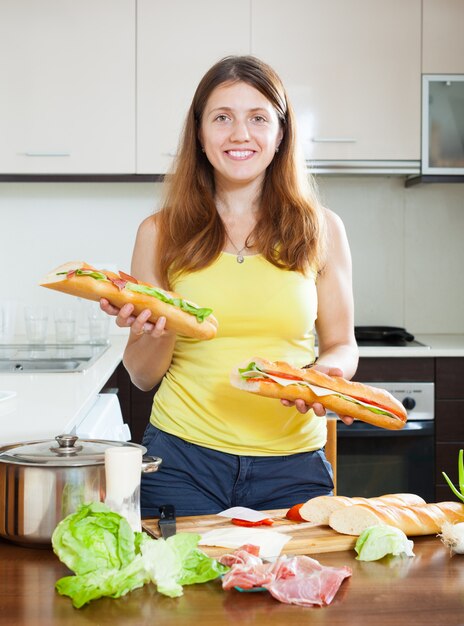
x: 372, y: 461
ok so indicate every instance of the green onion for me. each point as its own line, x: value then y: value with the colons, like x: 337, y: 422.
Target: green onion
x: 459, y: 494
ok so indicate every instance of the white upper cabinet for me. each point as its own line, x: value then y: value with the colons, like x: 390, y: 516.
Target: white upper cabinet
x: 177, y: 42
x: 352, y: 70
x: 67, y: 72
x: 443, y: 37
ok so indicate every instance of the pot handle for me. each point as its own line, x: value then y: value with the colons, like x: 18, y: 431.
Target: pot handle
x: 150, y: 464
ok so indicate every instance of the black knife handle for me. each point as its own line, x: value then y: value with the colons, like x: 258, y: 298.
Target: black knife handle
x: 167, y: 512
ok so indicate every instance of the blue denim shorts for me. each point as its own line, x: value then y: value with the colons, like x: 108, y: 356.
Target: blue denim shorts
x: 201, y: 481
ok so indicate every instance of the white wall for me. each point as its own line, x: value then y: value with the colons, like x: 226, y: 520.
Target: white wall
x: 407, y: 244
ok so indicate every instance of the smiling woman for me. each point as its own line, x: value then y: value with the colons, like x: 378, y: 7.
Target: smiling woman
x: 242, y: 229
x: 241, y: 137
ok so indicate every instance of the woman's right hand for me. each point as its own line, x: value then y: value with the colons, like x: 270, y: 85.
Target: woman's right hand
x: 139, y: 325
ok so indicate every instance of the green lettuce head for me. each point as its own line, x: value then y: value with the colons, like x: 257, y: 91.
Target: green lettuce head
x: 94, y: 538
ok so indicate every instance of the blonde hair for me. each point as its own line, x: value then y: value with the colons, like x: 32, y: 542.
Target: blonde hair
x: 290, y: 231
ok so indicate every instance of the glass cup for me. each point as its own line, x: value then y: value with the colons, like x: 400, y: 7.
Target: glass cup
x: 36, y: 322
x: 7, y: 320
x: 65, y: 325
x: 99, y: 326
x: 123, y: 470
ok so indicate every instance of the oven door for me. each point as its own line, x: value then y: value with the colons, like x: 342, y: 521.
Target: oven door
x: 375, y: 461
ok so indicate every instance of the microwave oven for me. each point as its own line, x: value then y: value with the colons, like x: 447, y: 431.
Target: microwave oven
x: 442, y: 151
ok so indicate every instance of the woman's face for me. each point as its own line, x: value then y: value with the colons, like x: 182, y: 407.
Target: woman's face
x: 239, y: 132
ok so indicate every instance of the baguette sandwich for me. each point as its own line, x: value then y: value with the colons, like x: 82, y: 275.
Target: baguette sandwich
x: 281, y: 380
x: 422, y: 519
x: 319, y: 509
x: 182, y: 316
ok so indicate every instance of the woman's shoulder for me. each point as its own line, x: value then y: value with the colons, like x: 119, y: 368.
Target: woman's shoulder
x: 332, y: 220
x: 148, y: 228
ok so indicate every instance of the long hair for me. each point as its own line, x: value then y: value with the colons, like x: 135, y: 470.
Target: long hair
x: 289, y: 231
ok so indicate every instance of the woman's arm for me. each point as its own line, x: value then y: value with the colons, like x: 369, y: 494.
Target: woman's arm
x: 335, y: 317
x: 338, y: 352
x: 150, y: 346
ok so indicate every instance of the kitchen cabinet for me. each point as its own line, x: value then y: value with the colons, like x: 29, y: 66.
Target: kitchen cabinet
x: 177, y: 42
x: 449, y: 415
x: 442, y: 40
x: 352, y: 70
x: 68, y: 86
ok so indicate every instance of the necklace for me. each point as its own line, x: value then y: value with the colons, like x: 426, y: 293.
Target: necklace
x: 240, y: 257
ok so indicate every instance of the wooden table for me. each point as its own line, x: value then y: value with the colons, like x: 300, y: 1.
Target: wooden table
x: 427, y: 590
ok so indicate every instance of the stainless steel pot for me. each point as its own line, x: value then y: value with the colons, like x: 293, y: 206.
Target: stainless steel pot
x: 41, y: 482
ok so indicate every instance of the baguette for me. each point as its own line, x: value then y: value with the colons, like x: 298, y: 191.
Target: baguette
x: 280, y: 380
x: 319, y: 509
x: 425, y: 519
x: 80, y: 279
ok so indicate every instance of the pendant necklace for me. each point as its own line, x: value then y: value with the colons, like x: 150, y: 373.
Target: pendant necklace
x: 240, y: 257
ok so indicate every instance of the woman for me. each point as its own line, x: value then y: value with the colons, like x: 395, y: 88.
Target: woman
x: 240, y: 231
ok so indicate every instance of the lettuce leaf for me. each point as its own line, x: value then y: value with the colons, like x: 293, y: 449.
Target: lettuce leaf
x: 377, y: 541
x: 94, y: 538
x: 200, y: 313
x: 111, y: 560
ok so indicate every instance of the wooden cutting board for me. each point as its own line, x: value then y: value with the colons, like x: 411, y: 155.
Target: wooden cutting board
x: 307, y: 538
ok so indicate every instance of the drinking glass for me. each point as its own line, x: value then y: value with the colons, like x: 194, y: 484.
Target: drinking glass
x: 123, y: 469
x: 36, y: 322
x: 99, y: 326
x: 65, y: 325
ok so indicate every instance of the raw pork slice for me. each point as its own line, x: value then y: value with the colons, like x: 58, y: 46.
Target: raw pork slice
x: 293, y: 580
x: 304, y: 581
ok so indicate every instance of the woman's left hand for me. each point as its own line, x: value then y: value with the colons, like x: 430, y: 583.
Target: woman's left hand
x: 317, y: 407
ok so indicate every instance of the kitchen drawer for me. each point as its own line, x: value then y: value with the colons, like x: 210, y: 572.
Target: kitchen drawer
x: 449, y: 421
x: 395, y: 370
x: 447, y: 461
x: 449, y: 377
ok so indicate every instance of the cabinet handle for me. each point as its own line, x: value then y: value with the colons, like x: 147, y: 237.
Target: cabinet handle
x: 47, y: 154
x: 334, y: 140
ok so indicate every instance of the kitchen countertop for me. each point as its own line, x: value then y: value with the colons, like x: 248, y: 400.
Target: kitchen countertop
x: 52, y: 404
x: 427, y: 589
x: 439, y: 346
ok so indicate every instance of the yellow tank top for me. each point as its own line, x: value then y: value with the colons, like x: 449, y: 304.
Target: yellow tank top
x: 262, y: 311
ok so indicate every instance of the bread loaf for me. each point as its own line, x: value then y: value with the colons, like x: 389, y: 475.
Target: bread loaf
x: 319, y: 510
x: 425, y: 519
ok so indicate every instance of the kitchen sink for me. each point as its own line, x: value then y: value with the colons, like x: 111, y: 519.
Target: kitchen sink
x: 49, y: 358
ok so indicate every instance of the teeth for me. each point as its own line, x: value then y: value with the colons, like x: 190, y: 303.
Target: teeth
x: 240, y: 154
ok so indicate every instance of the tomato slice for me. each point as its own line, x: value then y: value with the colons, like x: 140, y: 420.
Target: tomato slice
x: 294, y: 513
x: 244, y: 522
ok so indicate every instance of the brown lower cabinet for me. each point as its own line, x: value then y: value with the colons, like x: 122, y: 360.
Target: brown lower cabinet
x: 446, y: 372
x: 449, y: 418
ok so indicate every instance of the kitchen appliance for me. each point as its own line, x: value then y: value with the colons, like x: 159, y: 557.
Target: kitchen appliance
x: 372, y: 461
x: 392, y: 336
x: 41, y: 482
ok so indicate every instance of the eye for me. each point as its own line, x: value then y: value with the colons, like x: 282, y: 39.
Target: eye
x: 260, y: 119
x: 221, y: 118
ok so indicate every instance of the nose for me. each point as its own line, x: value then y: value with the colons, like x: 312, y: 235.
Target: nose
x: 240, y: 131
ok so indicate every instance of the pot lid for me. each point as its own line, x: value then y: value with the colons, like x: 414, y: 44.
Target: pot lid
x: 64, y: 450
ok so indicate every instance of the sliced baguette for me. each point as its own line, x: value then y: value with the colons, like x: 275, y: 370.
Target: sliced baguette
x: 319, y: 509
x: 425, y: 519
